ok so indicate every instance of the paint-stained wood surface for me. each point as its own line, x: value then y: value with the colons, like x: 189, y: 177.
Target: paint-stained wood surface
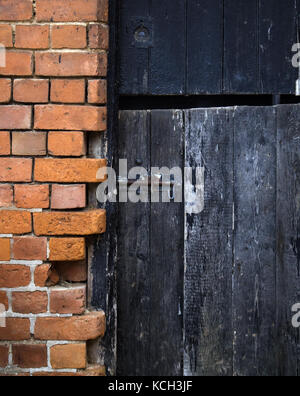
x: 134, y: 263
x: 150, y: 264
x: 288, y: 240
x: 208, y: 246
x: 184, y: 47
x: 241, y: 26
x: 204, y: 62
x: 279, y: 31
x: 239, y: 295
x: 254, y: 247
x: 211, y: 293
x: 167, y: 252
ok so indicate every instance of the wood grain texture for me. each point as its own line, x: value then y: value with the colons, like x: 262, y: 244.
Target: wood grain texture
x: 208, y: 246
x: 166, y: 241
x: 277, y: 34
x: 241, y: 71
x: 150, y: 265
x: 254, y: 272
x: 288, y: 242
x: 134, y: 261
x: 167, y: 56
x: 204, y: 46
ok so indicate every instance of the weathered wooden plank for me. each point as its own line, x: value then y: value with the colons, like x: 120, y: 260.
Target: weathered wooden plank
x: 134, y: 266
x: 241, y: 71
x: 204, y: 46
x: 168, y: 55
x: 166, y: 241
x: 208, y: 343
x: 278, y: 33
x: 134, y: 58
x: 288, y: 242
x: 254, y: 292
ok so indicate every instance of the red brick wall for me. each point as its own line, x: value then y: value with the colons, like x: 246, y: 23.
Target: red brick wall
x: 53, y: 97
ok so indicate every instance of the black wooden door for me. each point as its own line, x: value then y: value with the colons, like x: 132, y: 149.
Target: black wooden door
x: 188, y: 47
x: 212, y: 293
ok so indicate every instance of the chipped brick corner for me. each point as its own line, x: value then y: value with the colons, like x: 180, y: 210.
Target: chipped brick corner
x: 52, y: 97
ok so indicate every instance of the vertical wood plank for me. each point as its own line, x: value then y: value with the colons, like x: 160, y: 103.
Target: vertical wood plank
x: 167, y: 56
x: 254, y: 292
x: 241, y: 71
x: 134, y: 266
x: 134, y: 60
x: 166, y: 241
x: 288, y: 240
x: 204, y: 46
x: 208, y: 246
x: 278, y: 33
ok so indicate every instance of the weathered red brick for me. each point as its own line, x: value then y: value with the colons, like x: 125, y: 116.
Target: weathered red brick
x: 97, y: 92
x: 72, y: 10
x: 6, y: 195
x: 68, y: 196
x: 70, y: 118
x: 30, y: 302
x: 74, y: 64
x: 69, y: 36
x: 4, y: 143
x: 29, y: 143
x: 32, y: 196
x: 70, y: 223
x: 68, y: 300
x: 32, y: 36
x: 76, y: 328
x: 31, y: 91
x: 3, y: 301
x: 99, y: 36
x: 15, y: 222
x: 16, y: 10
x: 15, y: 169
x: 68, y: 91
x: 45, y: 275
x: 6, y: 35
x: 69, y: 356
x: 68, y: 170
x: 17, y: 64
x: 30, y: 356
x: 30, y: 248
x: 17, y: 329
x: 3, y: 355
x: 67, y: 249
x: 4, y: 249
x: 15, y: 117
x: 67, y: 144
x: 5, y: 90
x: 12, y: 276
